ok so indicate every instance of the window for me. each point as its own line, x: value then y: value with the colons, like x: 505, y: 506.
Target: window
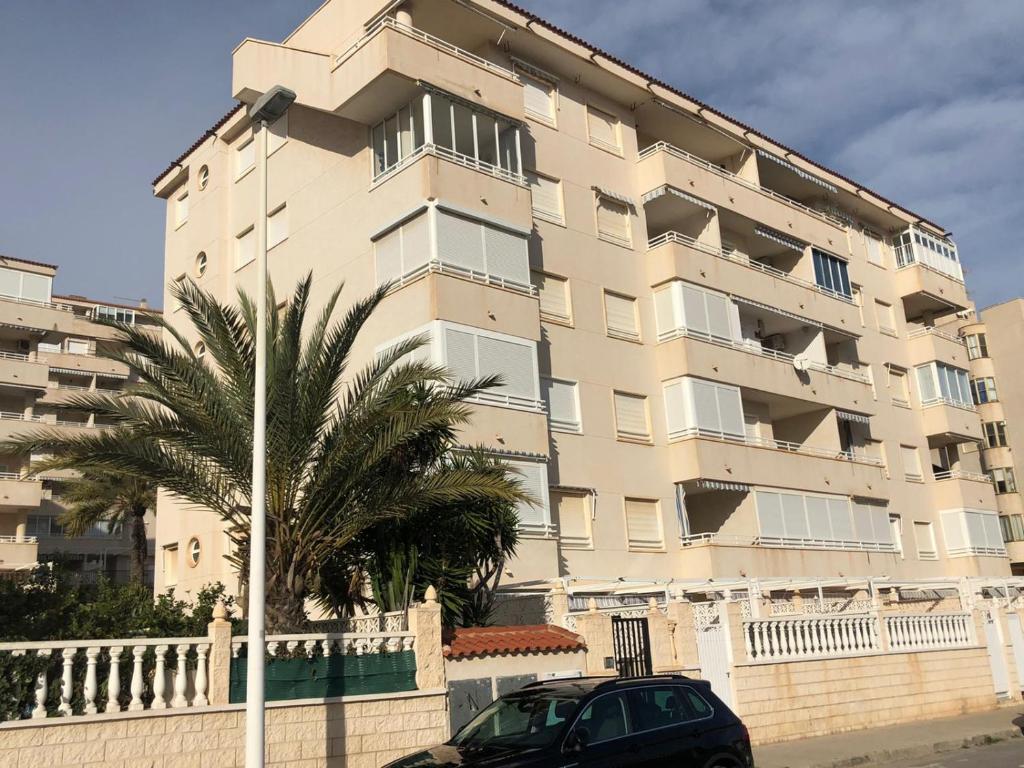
x: 995, y: 434
x: 181, y: 209
x: 1012, y: 527
x: 917, y: 246
x: 977, y: 346
x: 554, y: 295
x: 398, y: 137
x: 204, y: 176
x: 538, y: 97
x: 911, y: 463
x: 700, y: 312
x: 830, y: 273
x: 201, y: 263
x: 941, y: 383
x: 972, y: 532
x: 546, y: 194
x: 924, y: 538
x: 896, y: 532
x: 574, y: 517
x: 278, y: 134
x: 701, y: 407
x: 116, y: 314
x: 245, y: 247
x: 25, y: 286
x: 873, y: 246
x: 613, y: 220
x: 794, y: 519
x: 193, y: 551
x: 245, y: 157
x: 77, y: 346
x: 983, y: 390
x: 603, y: 130
x: 43, y: 525
x: 277, y: 226
x: 562, y: 399
x: 886, y: 317
x: 631, y: 421
x: 898, y: 390
x: 170, y: 562
x: 664, y: 706
x: 1003, y: 480
x: 604, y: 719
x: 620, y: 316
x: 533, y: 477
x: 471, y: 354
x: 643, y: 524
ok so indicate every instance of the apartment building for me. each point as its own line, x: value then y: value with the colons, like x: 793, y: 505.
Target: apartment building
x: 51, y: 349
x: 995, y: 346
x: 721, y: 359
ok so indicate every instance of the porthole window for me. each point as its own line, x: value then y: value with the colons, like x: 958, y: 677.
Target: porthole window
x: 193, y: 552
x: 201, y: 264
x: 204, y: 177
x: 200, y: 350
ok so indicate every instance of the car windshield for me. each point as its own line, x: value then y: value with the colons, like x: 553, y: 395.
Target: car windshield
x: 518, y: 721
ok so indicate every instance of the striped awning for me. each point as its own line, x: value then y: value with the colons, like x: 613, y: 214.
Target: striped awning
x: 668, y: 189
x: 719, y: 485
x: 110, y: 375
x: 778, y: 237
x: 71, y: 371
x: 613, y: 195
x: 798, y: 171
x: 858, y: 417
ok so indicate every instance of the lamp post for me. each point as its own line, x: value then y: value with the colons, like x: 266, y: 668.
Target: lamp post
x: 268, y: 108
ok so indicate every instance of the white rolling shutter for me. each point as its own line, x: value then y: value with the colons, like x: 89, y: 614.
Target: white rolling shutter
x: 460, y: 354
x: 818, y: 522
x: 665, y: 310
x: 840, y: 520
x: 613, y: 219
x: 553, y: 293
x: 277, y: 226
x: 513, y: 362
x: 533, y: 478
x: 573, y: 510
x: 873, y: 245
x: 730, y: 410
x: 675, y: 408
x: 769, y: 515
x: 719, y: 310
x: 695, y: 315
x: 602, y: 128
x: 387, y: 252
x: 794, y: 517
x: 245, y: 156
x: 546, y: 195
x: 460, y: 242
x: 993, y: 533
x: 911, y: 462
x: 415, y: 242
x: 560, y: 397
x: 505, y: 255
x: 926, y: 383
x: 620, y: 314
x: 705, y: 406
x: 631, y: 416
x: 953, y: 531
x: 538, y: 97
x: 643, y: 524
x: 245, y: 247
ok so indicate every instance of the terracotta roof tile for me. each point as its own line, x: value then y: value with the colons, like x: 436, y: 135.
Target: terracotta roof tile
x: 211, y: 131
x: 27, y: 261
x: 464, y: 642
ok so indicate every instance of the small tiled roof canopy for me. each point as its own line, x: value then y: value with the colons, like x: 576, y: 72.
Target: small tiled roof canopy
x: 465, y: 642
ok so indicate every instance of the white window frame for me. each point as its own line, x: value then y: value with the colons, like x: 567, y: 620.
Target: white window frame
x: 566, y: 319
x: 925, y: 528
x: 181, y: 206
x: 856, y: 542
x: 239, y: 239
x: 21, y: 275
x: 243, y: 146
x: 576, y: 425
x: 544, y: 528
x: 957, y: 520
x: 616, y: 148
x: 276, y: 238
x: 691, y: 419
x: 588, y: 517
x: 611, y: 237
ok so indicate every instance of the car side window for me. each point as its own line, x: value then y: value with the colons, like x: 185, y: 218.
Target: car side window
x: 658, y: 707
x: 605, y: 718
x: 697, y: 704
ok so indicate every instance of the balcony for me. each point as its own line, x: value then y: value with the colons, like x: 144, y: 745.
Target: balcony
x: 930, y: 282
x: 756, y: 461
x: 676, y: 255
x: 376, y: 75
x: 17, y: 370
x: 83, y: 364
x: 36, y: 315
x: 1015, y: 551
x: 12, y: 424
x: 928, y: 343
x: 18, y: 553
x: 18, y: 493
x: 947, y: 421
x: 662, y: 163
x: 959, y: 489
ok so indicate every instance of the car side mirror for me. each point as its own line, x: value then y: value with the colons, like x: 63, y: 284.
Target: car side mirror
x: 577, y: 740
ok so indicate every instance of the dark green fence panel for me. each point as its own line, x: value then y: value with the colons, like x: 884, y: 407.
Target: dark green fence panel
x: 337, y: 675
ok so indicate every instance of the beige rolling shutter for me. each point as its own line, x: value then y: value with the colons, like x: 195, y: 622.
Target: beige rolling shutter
x: 505, y: 255
x: 620, y: 312
x: 573, y: 510
x: 387, y: 253
x: 538, y: 97
x: 460, y: 354
x: 513, y: 362
x: 631, y: 416
x: 547, y: 195
x: 643, y: 524
x: 603, y: 128
x: 613, y: 219
x: 554, y: 295
x: 675, y: 408
x: 533, y: 478
x: 560, y: 397
x: 460, y: 242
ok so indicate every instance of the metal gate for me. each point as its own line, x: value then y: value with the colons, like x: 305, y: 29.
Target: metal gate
x: 714, y: 663
x: 1017, y: 639
x: 632, y: 645
x: 1000, y: 679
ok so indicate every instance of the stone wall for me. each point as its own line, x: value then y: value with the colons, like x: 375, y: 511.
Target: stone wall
x: 351, y: 732
x: 782, y: 701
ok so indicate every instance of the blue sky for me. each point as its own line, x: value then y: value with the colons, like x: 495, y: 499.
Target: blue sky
x: 922, y: 100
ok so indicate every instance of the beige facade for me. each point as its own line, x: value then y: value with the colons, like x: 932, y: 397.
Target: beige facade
x: 721, y: 359
x: 995, y: 340
x: 51, y: 349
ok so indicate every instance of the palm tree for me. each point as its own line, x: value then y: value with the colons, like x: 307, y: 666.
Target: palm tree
x: 115, y: 498
x: 338, y: 442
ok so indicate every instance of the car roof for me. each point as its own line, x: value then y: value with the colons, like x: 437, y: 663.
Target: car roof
x: 582, y: 686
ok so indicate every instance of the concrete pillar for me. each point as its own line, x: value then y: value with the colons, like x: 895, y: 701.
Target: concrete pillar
x: 596, y: 630
x: 219, y: 665
x: 660, y: 629
x: 404, y: 16
x: 558, y: 604
x: 732, y: 619
x: 20, y: 528
x: 681, y: 612
x: 425, y: 624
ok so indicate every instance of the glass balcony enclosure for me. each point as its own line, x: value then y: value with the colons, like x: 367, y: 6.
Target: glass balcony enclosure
x: 445, y: 125
x: 941, y: 383
x: 915, y: 246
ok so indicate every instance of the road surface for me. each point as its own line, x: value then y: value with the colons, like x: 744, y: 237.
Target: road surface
x: 1009, y: 754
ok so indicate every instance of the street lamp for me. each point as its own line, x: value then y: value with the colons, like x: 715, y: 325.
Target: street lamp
x: 268, y: 108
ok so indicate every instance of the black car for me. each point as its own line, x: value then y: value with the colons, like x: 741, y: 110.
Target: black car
x: 599, y: 723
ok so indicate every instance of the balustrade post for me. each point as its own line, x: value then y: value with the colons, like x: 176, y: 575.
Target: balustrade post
x: 114, y: 680
x: 181, y: 677
x: 39, y: 711
x: 425, y: 626
x: 222, y: 650
x: 137, y: 685
x: 160, y: 679
x: 89, y: 690
x: 66, y: 682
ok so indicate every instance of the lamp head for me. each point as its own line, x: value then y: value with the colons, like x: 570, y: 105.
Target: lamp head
x: 272, y: 104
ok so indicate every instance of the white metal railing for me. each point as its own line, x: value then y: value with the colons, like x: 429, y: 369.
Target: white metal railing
x: 37, y: 303
x: 14, y: 356
x: 18, y: 540
x: 15, y: 476
x: 508, y: 401
x: 777, y: 542
x: 387, y: 22
x: 779, y: 445
x: 977, y: 550
x: 933, y: 401
x: 913, y: 632
x: 664, y: 146
x: 388, y: 622
x: 442, y: 268
x: 929, y: 330
x: 72, y: 423
x: 802, y: 638
x: 327, y: 644
x: 182, y: 683
x: 455, y: 157
x: 959, y: 474
x: 17, y: 416
x: 755, y: 348
x: 906, y: 256
x: 737, y: 258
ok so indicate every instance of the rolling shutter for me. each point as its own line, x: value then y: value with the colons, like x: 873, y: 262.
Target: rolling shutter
x: 665, y: 310
x: 505, y: 255
x: 695, y: 315
x: 533, y: 478
x: 730, y: 410
x: 719, y: 312
x: 675, y: 408
x: 573, y: 518
x: 459, y: 242
x: 794, y: 517
x: 512, y: 361
x: 553, y: 293
x: 621, y: 315
x: 840, y: 520
x: 643, y: 524
x: 613, y: 219
x: 387, y: 253
x: 631, y: 416
x: 560, y: 397
x: 818, y: 522
x: 538, y: 97
x: 460, y: 354
x: 602, y: 128
x: 769, y: 514
x: 415, y: 242
x: 546, y: 195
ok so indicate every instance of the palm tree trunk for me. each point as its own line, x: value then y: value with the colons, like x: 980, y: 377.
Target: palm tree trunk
x: 285, y: 611
x: 140, y: 546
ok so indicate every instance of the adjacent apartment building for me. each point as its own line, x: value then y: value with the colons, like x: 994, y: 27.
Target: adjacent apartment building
x: 995, y: 346
x: 51, y: 349
x: 720, y: 358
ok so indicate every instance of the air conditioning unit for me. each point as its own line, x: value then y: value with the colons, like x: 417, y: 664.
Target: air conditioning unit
x: 776, y: 341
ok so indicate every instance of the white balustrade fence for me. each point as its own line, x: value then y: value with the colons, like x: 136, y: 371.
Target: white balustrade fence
x: 327, y: 644
x: 913, y: 633
x: 104, y: 676
x: 803, y: 638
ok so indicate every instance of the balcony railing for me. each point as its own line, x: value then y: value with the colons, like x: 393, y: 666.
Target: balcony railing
x: 958, y: 474
x: 932, y: 331
x: 777, y: 445
x: 14, y: 356
x: 441, y: 268
x: 907, y: 257
x: 36, y: 303
x: 17, y: 416
x: 664, y: 146
x: 18, y: 540
x: 931, y: 402
x: 783, y: 543
x: 754, y: 348
x: 456, y: 157
x: 677, y: 237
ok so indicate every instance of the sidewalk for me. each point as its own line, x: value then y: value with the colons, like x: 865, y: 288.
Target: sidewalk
x: 879, y: 746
